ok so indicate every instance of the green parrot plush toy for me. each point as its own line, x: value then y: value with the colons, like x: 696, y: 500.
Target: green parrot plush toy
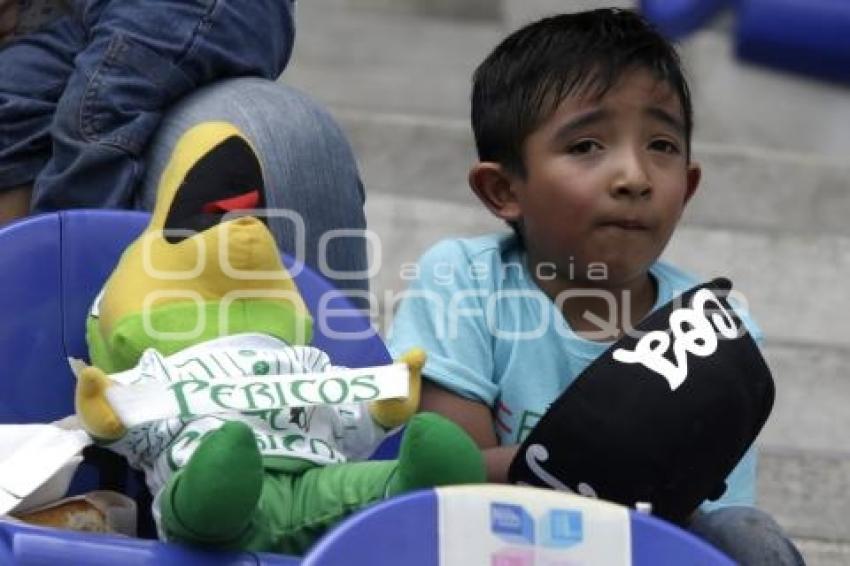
x: 201, y: 300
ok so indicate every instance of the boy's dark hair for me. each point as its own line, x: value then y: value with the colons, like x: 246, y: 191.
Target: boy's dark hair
x: 522, y: 82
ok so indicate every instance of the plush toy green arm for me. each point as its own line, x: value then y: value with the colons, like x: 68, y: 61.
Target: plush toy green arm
x: 390, y: 413
x: 93, y: 408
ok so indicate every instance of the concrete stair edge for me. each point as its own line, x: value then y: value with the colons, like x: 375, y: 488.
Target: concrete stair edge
x: 807, y: 492
x: 817, y: 552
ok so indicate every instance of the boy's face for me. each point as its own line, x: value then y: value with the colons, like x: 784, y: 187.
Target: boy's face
x: 606, y: 182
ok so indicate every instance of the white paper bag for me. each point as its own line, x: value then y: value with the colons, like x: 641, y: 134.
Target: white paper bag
x: 37, y: 463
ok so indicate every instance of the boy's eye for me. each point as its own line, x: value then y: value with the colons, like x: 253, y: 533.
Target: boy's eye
x: 583, y: 147
x: 664, y: 146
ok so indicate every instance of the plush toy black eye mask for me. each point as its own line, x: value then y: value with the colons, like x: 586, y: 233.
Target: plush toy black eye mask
x: 227, y: 179
x: 663, y: 416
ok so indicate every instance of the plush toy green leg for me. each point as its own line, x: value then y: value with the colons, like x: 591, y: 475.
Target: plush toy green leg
x: 434, y: 452
x: 298, y: 507
x: 211, y: 501
x: 214, y: 500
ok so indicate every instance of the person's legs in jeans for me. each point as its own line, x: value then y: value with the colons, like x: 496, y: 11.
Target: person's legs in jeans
x: 136, y: 63
x: 747, y: 535
x: 312, y: 184
x: 33, y: 73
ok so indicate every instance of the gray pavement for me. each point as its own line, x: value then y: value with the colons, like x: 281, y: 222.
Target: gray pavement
x: 771, y: 212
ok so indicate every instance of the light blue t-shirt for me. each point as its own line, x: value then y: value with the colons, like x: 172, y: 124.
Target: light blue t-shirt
x: 494, y: 337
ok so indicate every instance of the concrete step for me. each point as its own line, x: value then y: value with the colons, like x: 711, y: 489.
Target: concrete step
x: 812, y: 389
x: 516, y: 13
x: 476, y: 10
x: 807, y: 491
x: 387, y: 60
x: 743, y: 188
x: 740, y: 104
x: 818, y: 552
x: 793, y: 283
x: 769, y: 190
x: 405, y: 227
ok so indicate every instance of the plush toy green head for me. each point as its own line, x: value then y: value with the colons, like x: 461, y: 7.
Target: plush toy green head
x: 198, y: 271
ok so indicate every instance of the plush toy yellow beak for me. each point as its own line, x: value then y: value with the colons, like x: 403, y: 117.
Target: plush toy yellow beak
x: 196, y: 273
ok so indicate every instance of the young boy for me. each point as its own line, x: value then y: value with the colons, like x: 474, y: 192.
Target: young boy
x: 583, y: 125
x: 84, y: 84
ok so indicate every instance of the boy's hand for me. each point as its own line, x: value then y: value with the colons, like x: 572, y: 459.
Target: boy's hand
x: 391, y: 413
x: 8, y: 19
x: 93, y: 408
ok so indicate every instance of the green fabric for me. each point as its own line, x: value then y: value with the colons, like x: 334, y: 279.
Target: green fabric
x: 435, y: 452
x: 295, y: 510
x: 122, y: 350
x: 208, y: 501
x: 203, y: 505
x: 223, y: 479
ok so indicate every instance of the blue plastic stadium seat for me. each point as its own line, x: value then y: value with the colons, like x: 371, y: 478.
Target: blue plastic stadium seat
x: 51, y: 268
x: 405, y: 530
x: 806, y: 36
x: 678, y: 18
x: 28, y: 545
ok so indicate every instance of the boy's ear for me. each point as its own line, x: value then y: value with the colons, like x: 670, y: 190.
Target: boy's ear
x: 496, y: 188
x: 694, y: 175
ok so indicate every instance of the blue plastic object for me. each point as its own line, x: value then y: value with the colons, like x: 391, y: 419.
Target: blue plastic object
x: 807, y: 36
x: 30, y: 264
x: 27, y: 545
x: 51, y: 268
x: 407, y: 528
x: 656, y: 542
x: 678, y: 18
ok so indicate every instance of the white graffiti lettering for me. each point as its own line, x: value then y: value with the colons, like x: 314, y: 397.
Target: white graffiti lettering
x: 535, y: 456
x: 692, y: 332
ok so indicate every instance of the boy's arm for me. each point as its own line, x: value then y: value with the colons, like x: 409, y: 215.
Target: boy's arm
x: 477, y: 420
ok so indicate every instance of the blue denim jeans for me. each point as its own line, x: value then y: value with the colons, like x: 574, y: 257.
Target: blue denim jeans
x: 747, y: 535
x: 313, y: 189
x: 80, y: 99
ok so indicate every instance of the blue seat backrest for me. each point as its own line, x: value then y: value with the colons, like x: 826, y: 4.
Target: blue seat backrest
x: 34, y: 384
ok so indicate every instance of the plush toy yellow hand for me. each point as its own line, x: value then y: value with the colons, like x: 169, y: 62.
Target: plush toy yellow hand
x: 390, y: 413
x: 93, y: 408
